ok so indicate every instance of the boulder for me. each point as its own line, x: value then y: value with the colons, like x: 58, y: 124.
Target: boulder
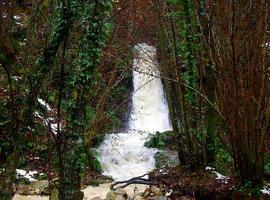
x: 121, y: 194
x: 111, y: 195
x: 96, y: 198
x: 146, y: 192
x: 40, y: 186
x: 138, y: 197
x: 120, y: 197
x: 54, y: 195
x: 156, y: 191
x: 120, y: 191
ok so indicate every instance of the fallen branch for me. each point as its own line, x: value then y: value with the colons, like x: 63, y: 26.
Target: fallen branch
x: 135, y: 180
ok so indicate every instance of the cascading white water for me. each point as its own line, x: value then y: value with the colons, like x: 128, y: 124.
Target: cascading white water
x: 123, y: 155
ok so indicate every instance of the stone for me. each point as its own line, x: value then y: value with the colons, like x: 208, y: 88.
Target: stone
x: 162, y: 198
x: 120, y: 191
x: 118, y: 197
x: 156, y: 191
x: 138, y: 197
x: 40, y: 186
x: 111, y: 195
x: 54, y: 195
x: 46, y: 191
x: 121, y: 194
x: 96, y: 198
x: 147, y: 192
x: 31, y: 192
x: 166, y: 158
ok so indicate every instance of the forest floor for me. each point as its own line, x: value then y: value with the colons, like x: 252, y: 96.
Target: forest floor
x: 183, y: 183
x: 176, y: 182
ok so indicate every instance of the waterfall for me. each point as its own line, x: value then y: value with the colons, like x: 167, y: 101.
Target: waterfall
x: 123, y: 155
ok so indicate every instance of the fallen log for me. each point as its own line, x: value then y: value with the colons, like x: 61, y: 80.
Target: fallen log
x: 134, y: 180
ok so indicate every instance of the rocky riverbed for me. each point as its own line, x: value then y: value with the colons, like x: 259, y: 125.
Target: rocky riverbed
x: 135, y: 192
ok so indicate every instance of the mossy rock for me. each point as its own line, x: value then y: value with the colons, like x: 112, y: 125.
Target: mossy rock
x: 54, y: 195
x: 160, y: 140
x: 166, y: 158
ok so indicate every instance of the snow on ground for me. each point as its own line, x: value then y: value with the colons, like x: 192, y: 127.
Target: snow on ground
x: 29, y: 175
x: 44, y: 104
x: 221, y: 177
x: 266, y: 190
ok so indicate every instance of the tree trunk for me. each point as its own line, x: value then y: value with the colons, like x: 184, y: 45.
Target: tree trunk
x: 69, y: 176
x: 250, y: 170
x: 7, y: 176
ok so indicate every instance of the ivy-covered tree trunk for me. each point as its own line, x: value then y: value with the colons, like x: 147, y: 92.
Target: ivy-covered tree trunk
x: 69, y: 176
x: 72, y: 157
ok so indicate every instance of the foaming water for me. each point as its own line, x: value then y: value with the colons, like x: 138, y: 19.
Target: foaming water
x: 123, y: 155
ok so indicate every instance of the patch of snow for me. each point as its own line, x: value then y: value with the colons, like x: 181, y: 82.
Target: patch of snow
x: 221, y: 177
x: 17, y: 17
x: 224, y: 179
x: 28, y: 175
x: 209, y: 168
x: 38, y: 115
x: 44, y: 104
x: 4, y: 15
x: 169, y: 193
x: 48, y: 122
x: 16, y: 78
x: 266, y: 190
x: 266, y: 45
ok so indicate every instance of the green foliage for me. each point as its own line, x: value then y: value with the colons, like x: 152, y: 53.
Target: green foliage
x: 94, y: 162
x: 267, y: 167
x: 189, y: 45
x: 159, y: 140
x: 248, y: 188
x: 223, y: 160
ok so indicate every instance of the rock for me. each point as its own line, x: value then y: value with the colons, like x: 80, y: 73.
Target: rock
x: 166, y: 158
x: 158, y: 198
x: 54, y: 195
x: 111, y: 195
x: 96, y: 198
x: 120, y: 197
x: 146, y: 192
x: 162, y: 198
x: 120, y: 191
x: 156, y: 191
x: 121, y: 194
x: 46, y: 191
x: 138, y: 197
x: 40, y: 186
x: 31, y: 192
